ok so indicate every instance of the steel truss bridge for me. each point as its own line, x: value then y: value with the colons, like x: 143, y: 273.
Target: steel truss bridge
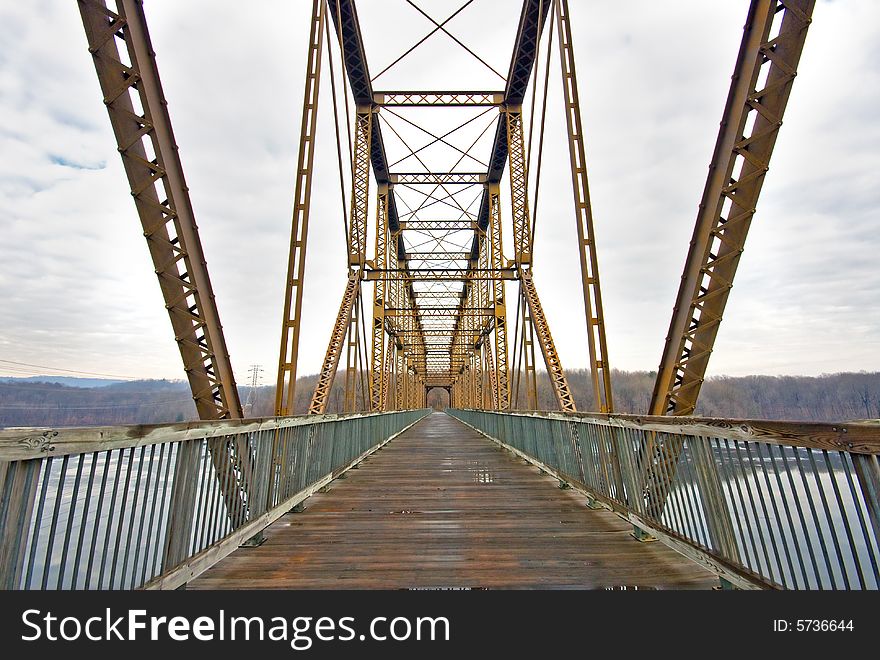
x: 425, y: 305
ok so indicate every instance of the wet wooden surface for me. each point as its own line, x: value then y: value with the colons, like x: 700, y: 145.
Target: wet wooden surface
x: 441, y: 506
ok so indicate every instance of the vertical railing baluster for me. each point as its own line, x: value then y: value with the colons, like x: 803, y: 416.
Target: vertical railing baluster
x: 53, y: 525
x: 96, y: 531
x: 85, y: 517
x: 715, y: 511
x: 867, y: 470
x: 790, y: 526
x: 181, y: 508
x: 154, y: 503
x: 144, y: 507
x: 134, y: 506
x: 844, y: 518
x: 866, y: 534
x: 816, y: 525
x: 159, y: 543
x: 18, y: 487
x: 71, y: 514
x: 830, y: 521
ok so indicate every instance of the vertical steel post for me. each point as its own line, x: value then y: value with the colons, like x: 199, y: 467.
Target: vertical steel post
x: 285, y: 386
x: 600, y: 371
x: 502, y: 371
x: 377, y: 366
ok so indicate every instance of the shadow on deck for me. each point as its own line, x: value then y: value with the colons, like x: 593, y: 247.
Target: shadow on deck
x: 442, y: 506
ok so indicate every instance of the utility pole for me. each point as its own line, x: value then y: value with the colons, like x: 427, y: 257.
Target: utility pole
x: 254, y: 372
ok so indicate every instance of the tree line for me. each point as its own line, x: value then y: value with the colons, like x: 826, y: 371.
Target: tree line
x: 829, y: 397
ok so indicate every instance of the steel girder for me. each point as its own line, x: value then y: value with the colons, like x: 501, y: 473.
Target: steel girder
x: 438, y: 225
x: 446, y: 99
x: 437, y: 256
x: 163, y: 204
x: 519, y: 184
x: 442, y: 274
x: 765, y: 70
x: 548, y: 348
x: 600, y: 370
x: 762, y: 80
x: 318, y: 405
x: 436, y: 178
x: 162, y: 199
x: 502, y: 374
x: 360, y: 194
x: 285, y: 386
x: 377, y: 369
x: 470, y: 329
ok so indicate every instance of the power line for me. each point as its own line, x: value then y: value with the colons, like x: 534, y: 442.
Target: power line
x: 118, y: 405
x: 71, y: 371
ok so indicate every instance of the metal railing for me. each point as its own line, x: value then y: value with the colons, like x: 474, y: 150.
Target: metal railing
x: 126, y: 507
x: 762, y: 504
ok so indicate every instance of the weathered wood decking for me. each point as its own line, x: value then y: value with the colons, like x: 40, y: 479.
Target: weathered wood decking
x: 441, y: 506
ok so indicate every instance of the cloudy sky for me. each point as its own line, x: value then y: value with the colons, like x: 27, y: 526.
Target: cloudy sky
x: 78, y: 289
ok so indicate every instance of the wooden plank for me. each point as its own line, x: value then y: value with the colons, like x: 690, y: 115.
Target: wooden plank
x: 440, y: 506
x: 855, y: 437
x: 24, y: 443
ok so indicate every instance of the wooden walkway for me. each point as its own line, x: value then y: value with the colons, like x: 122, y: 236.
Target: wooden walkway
x: 441, y: 506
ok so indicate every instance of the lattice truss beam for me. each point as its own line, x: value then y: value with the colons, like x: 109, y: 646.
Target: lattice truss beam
x: 126, y: 66
x: 773, y: 40
x: 125, y: 63
x: 438, y: 272
x: 772, y: 44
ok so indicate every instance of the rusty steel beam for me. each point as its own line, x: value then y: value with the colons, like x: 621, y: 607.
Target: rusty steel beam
x: 437, y: 256
x: 762, y: 80
x: 519, y: 184
x: 320, y: 398
x: 152, y: 164
x: 443, y: 99
x: 765, y: 70
x: 438, y: 178
x: 496, y: 258
x: 388, y: 373
x: 442, y: 274
x: 600, y: 369
x: 360, y: 194
x: 377, y: 366
x: 438, y: 225
x: 548, y: 348
x: 285, y: 384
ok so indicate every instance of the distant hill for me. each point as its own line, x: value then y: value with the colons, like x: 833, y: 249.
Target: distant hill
x: 63, y: 380
x: 37, y: 403
x: 830, y: 397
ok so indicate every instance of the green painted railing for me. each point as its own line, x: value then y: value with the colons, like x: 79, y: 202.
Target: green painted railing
x: 126, y: 507
x: 762, y: 504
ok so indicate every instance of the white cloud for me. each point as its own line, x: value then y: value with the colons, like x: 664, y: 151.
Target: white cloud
x: 77, y: 282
